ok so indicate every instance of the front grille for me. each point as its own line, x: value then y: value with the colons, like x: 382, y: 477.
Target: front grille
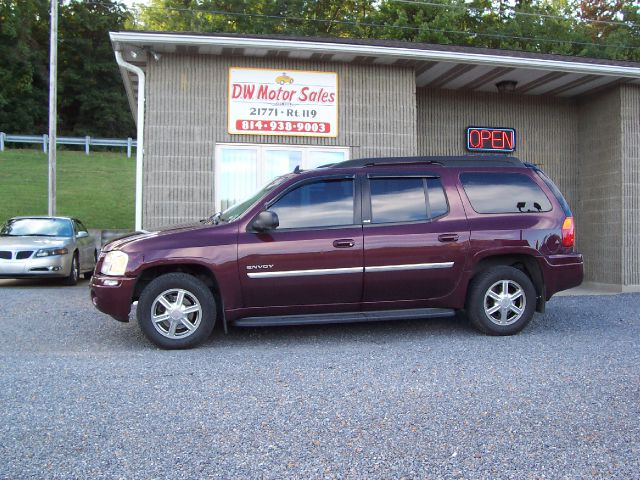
x: 5, y: 255
x: 24, y: 254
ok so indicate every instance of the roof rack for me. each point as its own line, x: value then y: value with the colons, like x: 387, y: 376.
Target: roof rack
x: 440, y: 160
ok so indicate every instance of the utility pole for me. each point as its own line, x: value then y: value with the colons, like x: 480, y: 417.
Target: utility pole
x: 53, y: 102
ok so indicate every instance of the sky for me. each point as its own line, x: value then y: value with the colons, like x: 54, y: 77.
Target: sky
x: 129, y: 3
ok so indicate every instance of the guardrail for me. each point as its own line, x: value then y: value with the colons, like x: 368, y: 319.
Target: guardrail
x: 86, y: 141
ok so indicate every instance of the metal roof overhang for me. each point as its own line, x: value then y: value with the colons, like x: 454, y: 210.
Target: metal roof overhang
x: 445, y: 68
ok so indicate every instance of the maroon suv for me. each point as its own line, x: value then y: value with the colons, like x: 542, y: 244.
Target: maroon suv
x: 362, y: 240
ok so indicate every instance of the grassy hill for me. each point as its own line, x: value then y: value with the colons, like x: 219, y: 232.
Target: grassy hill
x: 98, y: 189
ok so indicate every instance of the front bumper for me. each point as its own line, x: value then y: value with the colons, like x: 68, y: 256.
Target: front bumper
x: 112, y: 295
x: 46, y: 267
x: 561, y: 272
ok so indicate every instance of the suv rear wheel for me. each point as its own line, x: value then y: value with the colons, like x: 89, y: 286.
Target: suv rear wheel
x: 176, y: 310
x: 501, y: 301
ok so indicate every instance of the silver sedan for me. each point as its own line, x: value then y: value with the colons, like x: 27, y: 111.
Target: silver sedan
x: 46, y: 247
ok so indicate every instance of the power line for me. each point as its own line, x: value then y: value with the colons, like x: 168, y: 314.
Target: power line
x: 377, y: 25
x: 517, y: 13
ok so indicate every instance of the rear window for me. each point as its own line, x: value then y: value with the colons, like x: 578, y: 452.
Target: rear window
x: 556, y: 191
x: 491, y: 192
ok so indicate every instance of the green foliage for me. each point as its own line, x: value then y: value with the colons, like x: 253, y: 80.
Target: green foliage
x: 320, y: 18
x: 24, y: 77
x: 98, y: 189
x: 597, y: 28
x: 91, y: 97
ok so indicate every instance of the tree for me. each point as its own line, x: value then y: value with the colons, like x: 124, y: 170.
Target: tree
x: 296, y: 17
x: 24, y: 43
x: 91, y: 98
x: 613, y: 23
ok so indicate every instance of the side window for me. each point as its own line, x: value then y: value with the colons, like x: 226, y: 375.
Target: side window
x: 80, y: 227
x: 504, y: 193
x: 403, y: 199
x: 326, y: 203
x: 437, y: 199
x: 397, y: 200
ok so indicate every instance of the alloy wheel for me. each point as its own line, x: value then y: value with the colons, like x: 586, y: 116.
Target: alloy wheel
x: 505, y: 302
x: 176, y: 313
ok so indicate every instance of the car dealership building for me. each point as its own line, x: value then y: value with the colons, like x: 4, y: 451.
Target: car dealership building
x: 219, y: 115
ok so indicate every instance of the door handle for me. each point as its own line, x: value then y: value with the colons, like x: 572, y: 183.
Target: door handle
x: 344, y: 243
x: 448, y: 237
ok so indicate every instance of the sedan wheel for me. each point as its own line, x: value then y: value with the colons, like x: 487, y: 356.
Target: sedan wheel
x: 74, y: 273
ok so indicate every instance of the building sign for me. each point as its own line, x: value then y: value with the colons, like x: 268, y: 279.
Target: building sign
x: 283, y: 102
x: 489, y: 139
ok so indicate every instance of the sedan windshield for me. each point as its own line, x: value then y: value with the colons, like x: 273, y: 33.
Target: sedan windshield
x: 37, y: 227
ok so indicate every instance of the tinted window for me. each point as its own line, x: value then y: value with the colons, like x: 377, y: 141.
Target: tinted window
x: 556, y: 191
x: 397, y: 200
x: 320, y: 204
x: 437, y: 199
x: 504, y: 193
x: 81, y: 226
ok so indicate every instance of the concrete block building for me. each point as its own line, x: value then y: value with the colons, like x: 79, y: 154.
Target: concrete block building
x: 219, y: 115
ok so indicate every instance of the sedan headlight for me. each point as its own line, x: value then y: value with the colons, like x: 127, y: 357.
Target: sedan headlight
x: 48, y: 252
x: 114, y: 263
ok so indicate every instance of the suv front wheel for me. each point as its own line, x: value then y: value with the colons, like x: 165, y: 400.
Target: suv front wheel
x: 501, y: 301
x: 176, y: 310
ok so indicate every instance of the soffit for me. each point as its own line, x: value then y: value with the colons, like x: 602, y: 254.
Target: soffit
x: 436, y: 66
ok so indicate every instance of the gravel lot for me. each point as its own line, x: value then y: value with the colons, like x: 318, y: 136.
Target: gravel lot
x: 84, y: 396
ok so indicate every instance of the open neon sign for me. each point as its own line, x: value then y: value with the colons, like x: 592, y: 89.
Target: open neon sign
x: 489, y: 139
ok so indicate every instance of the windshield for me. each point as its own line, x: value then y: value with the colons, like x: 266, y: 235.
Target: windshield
x: 37, y: 227
x: 238, y: 209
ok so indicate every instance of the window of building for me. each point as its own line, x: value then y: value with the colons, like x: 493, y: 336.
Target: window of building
x: 504, y: 193
x: 326, y: 203
x: 242, y: 169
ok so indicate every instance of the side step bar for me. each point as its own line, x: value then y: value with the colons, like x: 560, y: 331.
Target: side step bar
x: 348, y: 317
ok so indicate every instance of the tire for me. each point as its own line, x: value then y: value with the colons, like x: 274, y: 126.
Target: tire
x: 87, y: 275
x: 175, y: 328
x: 74, y: 273
x: 501, y: 284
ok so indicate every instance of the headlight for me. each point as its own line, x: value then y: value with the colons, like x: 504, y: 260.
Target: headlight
x: 114, y: 263
x: 48, y: 252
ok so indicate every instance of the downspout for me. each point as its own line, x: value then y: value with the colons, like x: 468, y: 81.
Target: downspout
x: 139, y: 133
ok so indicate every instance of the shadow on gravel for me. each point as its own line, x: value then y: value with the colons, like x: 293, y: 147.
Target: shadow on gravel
x: 128, y: 335
x: 329, y: 334
x: 18, y: 283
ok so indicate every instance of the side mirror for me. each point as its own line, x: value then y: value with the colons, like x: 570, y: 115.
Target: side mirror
x: 266, y: 220
x: 82, y: 234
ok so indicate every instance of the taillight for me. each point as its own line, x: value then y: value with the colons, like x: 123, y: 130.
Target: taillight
x: 568, y: 232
